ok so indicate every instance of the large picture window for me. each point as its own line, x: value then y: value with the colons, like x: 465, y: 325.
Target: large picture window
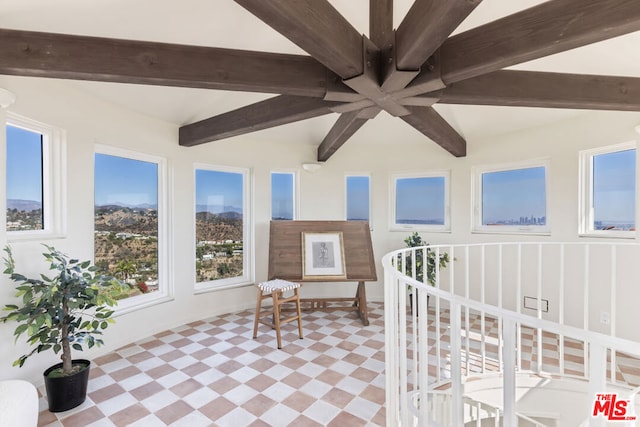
x: 421, y: 202
x: 512, y: 198
x: 608, y: 184
x: 283, y: 195
x: 358, y: 198
x: 223, y: 243
x: 34, y: 179
x: 129, y: 222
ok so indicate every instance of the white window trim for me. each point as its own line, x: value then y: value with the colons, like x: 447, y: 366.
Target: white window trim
x: 248, y: 232
x: 476, y: 206
x: 54, y: 185
x: 586, y: 219
x: 446, y: 227
x: 346, y: 200
x: 166, y: 289
x: 296, y: 186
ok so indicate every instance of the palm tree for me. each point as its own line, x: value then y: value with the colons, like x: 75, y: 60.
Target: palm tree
x: 125, y: 268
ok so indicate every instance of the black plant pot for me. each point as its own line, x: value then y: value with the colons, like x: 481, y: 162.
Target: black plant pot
x: 64, y: 393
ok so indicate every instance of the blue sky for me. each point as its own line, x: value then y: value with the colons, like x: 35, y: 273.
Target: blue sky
x: 126, y: 182
x: 282, y: 195
x: 512, y: 194
x: 24, y: 164
x: 358, y: 198
x: 506, y: 194
x: 219, y: 190
x: 614, y: 186
x: 420, y: 199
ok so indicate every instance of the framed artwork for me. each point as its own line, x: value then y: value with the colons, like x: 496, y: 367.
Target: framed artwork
x: 323, y: 256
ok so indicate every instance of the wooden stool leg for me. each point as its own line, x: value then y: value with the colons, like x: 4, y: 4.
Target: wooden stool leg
x: 258, y: 310
x: 296, y: 290
x: 276, y: 315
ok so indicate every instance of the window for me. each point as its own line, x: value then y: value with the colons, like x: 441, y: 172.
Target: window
x: 34, y: 179
x: 24, y: 179
x: 421, y: 202
x: 223, y: 238
x: 608, y: 181
x: 283, y: 196
x: 130, y: 238
x: 512, y: 199
x: 358, y: 193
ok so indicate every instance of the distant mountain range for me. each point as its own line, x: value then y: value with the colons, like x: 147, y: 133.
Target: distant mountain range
x: 23, y: 205
x: 226, y: 211
x: 208, y: 216
x: 127, y: 205
x: 218, y: 209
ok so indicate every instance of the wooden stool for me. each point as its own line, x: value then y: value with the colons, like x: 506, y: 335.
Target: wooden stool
x: 275, y: 289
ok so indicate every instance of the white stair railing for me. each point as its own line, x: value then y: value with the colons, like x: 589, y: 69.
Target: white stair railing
x: 475, y: 324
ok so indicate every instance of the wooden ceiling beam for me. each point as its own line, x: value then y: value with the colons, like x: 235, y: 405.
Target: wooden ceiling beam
x: 551, y: 27
x: 317, y: 28
x: 425, y: 27
x: 266, y: 114
x: 37, y: 54
x: 550, y: 90
x: 368, y: 84
x: 381, y: 22
x: 427, y: 80
x: 428, y: 122
x: 346, y: 125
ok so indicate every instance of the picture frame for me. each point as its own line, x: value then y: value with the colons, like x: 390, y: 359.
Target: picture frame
x: 323, y: 256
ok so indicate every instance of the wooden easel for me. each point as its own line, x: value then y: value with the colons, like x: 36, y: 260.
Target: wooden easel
x: 285, y: 260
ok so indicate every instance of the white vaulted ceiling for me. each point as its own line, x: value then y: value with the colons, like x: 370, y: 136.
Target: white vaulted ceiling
x: 223, y: 23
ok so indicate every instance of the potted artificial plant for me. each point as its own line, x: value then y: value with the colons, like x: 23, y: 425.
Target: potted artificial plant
x: 413, y: 241
x: 61, y: 312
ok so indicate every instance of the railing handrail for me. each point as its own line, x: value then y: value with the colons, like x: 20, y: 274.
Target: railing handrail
x: 599, y: 350
x: 492, y: 410
x: 548, y: 325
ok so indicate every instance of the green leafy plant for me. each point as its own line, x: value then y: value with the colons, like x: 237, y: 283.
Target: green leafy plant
x: 415, y: 240
x: 60, y: 312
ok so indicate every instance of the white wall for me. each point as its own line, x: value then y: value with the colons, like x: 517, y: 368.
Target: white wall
x: 89, y: 121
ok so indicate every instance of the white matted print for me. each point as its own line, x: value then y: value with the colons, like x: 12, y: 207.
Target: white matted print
x: 322, y: 255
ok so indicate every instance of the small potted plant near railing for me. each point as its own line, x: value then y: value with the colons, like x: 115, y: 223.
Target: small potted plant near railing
x: 67, y: 310
x: 415, y: 240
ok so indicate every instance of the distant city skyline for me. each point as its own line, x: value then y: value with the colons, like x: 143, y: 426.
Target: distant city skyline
x: 510, y: 195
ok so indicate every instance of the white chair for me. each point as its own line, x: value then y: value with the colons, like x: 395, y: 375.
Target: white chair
x: 275, y: 289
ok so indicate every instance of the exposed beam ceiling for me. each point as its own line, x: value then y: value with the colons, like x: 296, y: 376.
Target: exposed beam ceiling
x: 403, y: 72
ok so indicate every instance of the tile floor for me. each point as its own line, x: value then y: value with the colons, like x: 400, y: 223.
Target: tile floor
x: 212, y: 373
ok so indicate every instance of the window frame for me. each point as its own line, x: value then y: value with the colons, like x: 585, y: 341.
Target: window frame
x: 54, y: 174
x: 295, y: 194
x: 346, y: 195
x: 586, y: 218
x: 166, y: 289
x: 436, y: 228
x: 248, y: 260
x: 477, y: 208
